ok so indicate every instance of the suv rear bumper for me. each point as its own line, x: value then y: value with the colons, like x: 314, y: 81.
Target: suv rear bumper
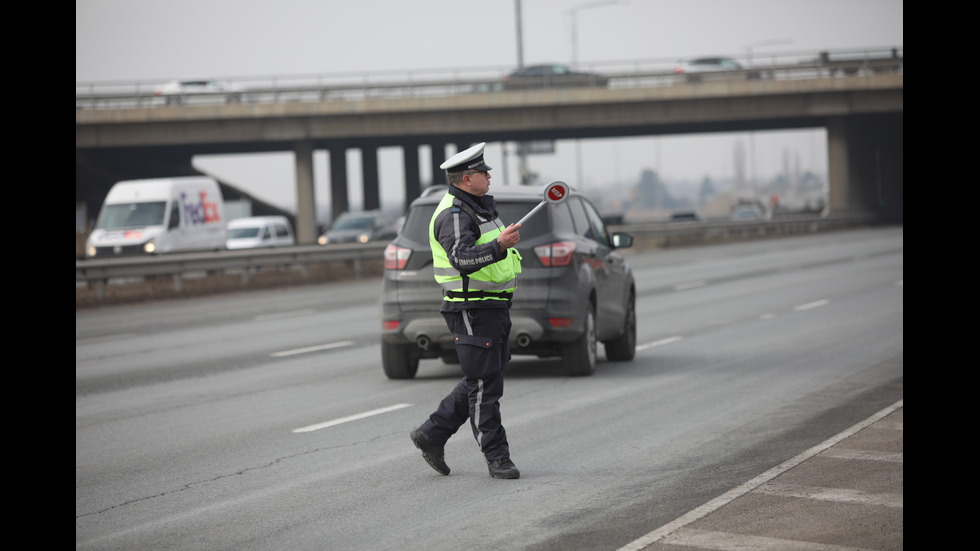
x: 529, y: 334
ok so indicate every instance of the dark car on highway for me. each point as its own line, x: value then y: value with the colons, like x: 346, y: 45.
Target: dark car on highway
x: 359, y: 227
x: 575, y: 290
x: 551, y: 76
x: 685, y: 216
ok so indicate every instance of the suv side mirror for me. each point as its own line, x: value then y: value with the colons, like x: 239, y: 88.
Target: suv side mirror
x: 622, y: 240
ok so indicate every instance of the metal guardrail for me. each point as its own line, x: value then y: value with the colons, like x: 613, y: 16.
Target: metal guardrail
x: 451, y: 82
x: 676, y: 234
x: 97, y: 273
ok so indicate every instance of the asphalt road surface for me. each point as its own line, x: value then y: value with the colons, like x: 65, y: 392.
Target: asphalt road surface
x: 263, y: 420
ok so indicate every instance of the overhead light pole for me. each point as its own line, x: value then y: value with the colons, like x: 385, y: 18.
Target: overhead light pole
x: 522, y: 156
x: 520, y: 34
x: 573, y: 13
x: 748, y: 65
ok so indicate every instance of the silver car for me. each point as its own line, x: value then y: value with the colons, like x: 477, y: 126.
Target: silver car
x: 177, y: 92
x: 575, y: 289
x: 697, y: 70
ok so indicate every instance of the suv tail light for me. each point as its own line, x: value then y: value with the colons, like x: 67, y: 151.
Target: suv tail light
x: 555, y: 254
x: 396, y: 257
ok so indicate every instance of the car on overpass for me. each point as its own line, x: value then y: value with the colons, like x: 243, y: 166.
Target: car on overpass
x: 177, y: 92
x: 576, y: 288
x: 552, y: 75
x: 714, y: 68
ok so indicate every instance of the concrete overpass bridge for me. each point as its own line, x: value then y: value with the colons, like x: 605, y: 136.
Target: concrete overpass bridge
x: 127, y: 135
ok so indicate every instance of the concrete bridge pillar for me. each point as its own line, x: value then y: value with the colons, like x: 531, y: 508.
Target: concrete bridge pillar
x: 339, y: 201
x: 838, y: 175
x: 413, y: 180
x: 371, y: 184
x: 866, y: 164
x: 306, y: 233
x: 438, y: 156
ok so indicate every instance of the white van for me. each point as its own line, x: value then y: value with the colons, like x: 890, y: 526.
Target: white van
x: 159, y: 215
x: 260, y: 231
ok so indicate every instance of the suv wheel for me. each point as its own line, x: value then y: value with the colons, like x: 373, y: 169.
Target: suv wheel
x: 399, y: 361
x: 579, y: 355
x: 623, y: 348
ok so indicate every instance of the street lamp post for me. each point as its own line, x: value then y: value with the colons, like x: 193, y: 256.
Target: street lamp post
x: 573, y: 13
x: 520, y: 34
x: 748, y: 66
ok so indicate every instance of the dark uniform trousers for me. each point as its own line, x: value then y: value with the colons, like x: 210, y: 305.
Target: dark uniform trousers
x: 482, y: 342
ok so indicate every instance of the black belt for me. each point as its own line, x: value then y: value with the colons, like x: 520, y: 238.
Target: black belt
x: 477, y: 294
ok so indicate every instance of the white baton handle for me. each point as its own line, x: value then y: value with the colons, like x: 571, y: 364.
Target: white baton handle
x: 534, y: 210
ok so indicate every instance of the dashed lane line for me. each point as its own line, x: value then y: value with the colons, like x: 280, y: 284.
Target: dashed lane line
x: 349, y: 418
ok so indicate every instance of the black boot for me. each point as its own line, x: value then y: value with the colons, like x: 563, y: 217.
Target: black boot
x: 434, y: 455
x: 503, y: 468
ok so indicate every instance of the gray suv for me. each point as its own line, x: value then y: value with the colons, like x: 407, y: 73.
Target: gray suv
x: 575, y: 289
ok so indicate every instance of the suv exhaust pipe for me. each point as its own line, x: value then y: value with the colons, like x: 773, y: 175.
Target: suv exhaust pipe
x: 423, y: 342
x: 523, y: 340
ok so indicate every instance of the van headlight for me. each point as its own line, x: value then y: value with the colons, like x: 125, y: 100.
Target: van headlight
x: 91, y: 251
x: 364, y: 238
x: 149, y: 247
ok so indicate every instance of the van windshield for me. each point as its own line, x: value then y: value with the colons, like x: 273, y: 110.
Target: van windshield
x: 243, y: 233
x: 132, y: 215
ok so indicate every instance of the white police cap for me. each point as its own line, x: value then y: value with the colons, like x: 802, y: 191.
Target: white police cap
x: 469, y: 159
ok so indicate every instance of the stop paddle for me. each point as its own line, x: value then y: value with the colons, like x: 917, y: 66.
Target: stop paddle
x: 554, y: 193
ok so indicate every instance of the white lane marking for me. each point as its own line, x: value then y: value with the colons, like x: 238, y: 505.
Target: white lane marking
x: 117, y: 336
x: 729, y: 496
x: 709, y: 539
x: 349, y: 418
x: 809, y: 305
x: 661, y: 342
x: 892, y: 457
x: 281, y: 315
x: 689, y: 285
x: 309, y: 349
x: 837, y: 495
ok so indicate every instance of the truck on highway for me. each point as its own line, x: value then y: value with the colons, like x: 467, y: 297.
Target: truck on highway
x: 159, y: 215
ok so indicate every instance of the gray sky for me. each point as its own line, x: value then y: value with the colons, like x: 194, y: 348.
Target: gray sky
x: 130, y: 40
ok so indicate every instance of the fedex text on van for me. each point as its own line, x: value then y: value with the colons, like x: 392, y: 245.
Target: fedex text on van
x: 201, y: 212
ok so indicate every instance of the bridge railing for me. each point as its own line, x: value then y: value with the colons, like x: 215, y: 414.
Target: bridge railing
x: 448, y: 82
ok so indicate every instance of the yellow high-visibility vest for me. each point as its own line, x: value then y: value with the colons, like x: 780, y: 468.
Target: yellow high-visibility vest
x: 495, y: 281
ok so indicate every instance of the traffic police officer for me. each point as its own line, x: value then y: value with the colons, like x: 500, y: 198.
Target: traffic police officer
x: 476, y: 266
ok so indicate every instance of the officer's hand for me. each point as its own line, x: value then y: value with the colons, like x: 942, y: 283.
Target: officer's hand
x: 509, y: 237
